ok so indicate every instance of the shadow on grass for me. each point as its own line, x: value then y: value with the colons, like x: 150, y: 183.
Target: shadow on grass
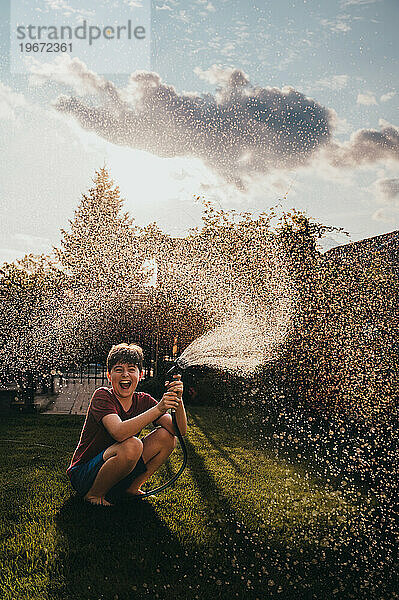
x: 195, y: 541
x: 211, y: 439
x: 349, y: 568
x: 128, y: 552
x: 119, y: 552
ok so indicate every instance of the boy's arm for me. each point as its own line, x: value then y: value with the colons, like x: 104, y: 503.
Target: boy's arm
x: 121, y: 430
x: 181, y: 419
x: 172, y: 398
x: 165, y: 421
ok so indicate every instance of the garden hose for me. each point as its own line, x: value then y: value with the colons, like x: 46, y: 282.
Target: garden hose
x: 175, y: 370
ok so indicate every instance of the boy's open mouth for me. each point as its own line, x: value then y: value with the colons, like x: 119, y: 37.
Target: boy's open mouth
x: 125, y: 385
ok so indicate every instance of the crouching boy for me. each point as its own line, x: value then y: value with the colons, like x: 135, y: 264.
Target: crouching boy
x: 110, y: 460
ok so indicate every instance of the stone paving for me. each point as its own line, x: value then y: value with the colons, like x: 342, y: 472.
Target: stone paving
x: 73, y: 397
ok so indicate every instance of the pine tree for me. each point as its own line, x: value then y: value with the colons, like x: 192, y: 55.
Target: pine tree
x: 102, y: 255
x: 100, y: 249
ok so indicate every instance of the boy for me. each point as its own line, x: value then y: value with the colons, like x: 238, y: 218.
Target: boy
x: 110, y: 459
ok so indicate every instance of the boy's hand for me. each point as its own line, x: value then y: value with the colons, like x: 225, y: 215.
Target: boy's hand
x: 172, y: 396
x: 175, y: 386
x: 169, y: 400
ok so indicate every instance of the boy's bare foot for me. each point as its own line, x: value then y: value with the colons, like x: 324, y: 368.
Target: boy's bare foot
x: 97, y: 500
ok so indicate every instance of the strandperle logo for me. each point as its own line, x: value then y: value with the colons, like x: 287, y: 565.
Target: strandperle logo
x: 108, y: 37
x: 56, y: 33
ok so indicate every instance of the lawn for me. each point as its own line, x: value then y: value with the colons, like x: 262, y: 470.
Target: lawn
x: 239, y: 523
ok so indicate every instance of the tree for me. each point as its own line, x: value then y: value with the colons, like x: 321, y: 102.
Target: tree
x: 230, y: 280
x: 100, y: 250
x: 32, y: 292
x: 103, y: 258
x: 341, y: 354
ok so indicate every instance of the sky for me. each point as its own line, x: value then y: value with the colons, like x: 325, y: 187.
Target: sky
x: 247, y: 104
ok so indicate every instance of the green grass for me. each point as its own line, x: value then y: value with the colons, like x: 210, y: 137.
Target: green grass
x: 238, y: 523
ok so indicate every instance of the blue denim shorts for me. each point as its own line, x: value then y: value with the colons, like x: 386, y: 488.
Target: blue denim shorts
x: 82, y: 477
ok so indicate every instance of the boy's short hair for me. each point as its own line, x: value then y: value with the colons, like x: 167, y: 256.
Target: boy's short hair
x: 126, y: 354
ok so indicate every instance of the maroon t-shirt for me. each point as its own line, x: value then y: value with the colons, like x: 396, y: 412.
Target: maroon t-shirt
x: 94, y: 437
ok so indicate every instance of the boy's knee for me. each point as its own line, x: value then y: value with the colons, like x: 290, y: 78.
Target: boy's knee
x: 167, y: 438
x: 132, y: 447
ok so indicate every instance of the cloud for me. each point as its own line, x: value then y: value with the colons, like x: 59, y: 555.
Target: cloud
x: 366, y: 146
x: 240, y: 131
x: 342, y: 126
x: 387, y: 189
x: 163, y: 7
x: 215, y: 75
x: 182, y: 16
x: 338, y: 25
x: 367, y: 99
x: 134, y: 3
x: 71, y: 72
x: 336, y: 82
x: 387, y: 97
x: 383, y: 216
x: 346, y: 3
x: 34, y: 241
x: 9, y: 102
x: 66, y: 9
x: 206, y: 4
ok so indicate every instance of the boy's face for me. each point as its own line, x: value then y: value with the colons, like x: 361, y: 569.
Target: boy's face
x: 124, y: 379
